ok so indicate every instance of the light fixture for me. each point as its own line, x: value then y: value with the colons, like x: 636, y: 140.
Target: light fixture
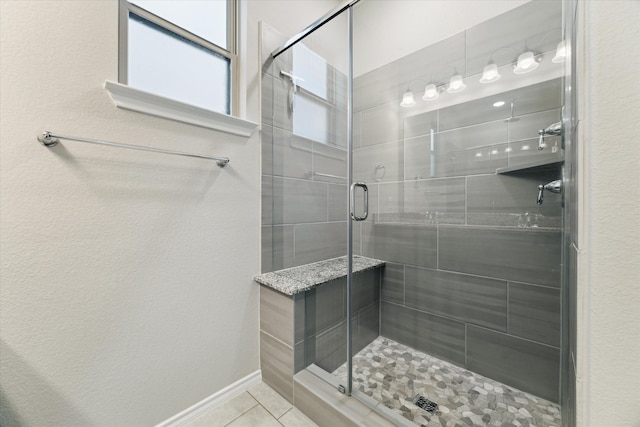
x: 526, y: 63
x: 456, y: 84
x: 407, y: 99
x: 490, y: 73
x: 498, y: 104
x: 561, y: 53
x: 430, y: 92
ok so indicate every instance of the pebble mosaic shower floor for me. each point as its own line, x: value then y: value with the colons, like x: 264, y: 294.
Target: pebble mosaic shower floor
x: 395, y: 375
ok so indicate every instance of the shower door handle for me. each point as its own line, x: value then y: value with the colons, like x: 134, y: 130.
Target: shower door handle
x: 353, y: 201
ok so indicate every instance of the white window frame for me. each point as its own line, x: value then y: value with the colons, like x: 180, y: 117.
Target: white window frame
x: 125, y: 7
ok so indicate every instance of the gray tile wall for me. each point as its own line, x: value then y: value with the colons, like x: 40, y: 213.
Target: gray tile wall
x: 473, y: 263
x: 304, y: 215
x: 325, y: 338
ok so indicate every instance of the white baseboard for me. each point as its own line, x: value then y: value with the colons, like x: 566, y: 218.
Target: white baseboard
x: 213, y: 401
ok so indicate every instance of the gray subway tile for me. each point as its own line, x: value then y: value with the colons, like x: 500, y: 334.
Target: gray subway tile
x: 379, y: 163
x: 367, y: 239
x: 534, y: 313
x: 292, y: 155
x: 266, y: 249
x: 267, y: 200
x: 317, y: 242
x: 388, y: 199
x: 365, y: 288
x: 357, y: 130
x: 525, y: 152
x: 276, y: 363
x: 483, y: 134
x: 276, y: 314
x: 267, y: 100
x: 523, y: 364
x: 435, y: 335
x: 470, y: 161
x: 325, y: 306
x: 528, y: 125
x: 366, y: 91
x: 463, y: 297
x: 527, y: 100
x: 417, y: 158
x: 277, y: 248
x: 331, y: 347
x: 299, y: 201
x: 338, y: 204
x: 392, y: 287
x: 407, y: 244
x: 267, y: 149
x: 423, y: 125
x: 444, y: 195
x: 332, y: 160
x: 368, y: 326
x: 524, y: 255
x: 299, y: 317
x: 512, y: 194
x: 381, y: 124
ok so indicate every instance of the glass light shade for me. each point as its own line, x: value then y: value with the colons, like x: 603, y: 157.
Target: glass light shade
x: 456, y: 84
x: 407, y: 99
x: 526, y: 63
x: 490, y: 73
x: 430, y: 92
x: 561, y: 53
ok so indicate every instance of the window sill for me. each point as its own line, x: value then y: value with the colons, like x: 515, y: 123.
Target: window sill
x: 133, y: 99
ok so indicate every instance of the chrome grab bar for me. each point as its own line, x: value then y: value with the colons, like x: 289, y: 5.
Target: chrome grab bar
x: 48, y: 139
x: 353, y: 201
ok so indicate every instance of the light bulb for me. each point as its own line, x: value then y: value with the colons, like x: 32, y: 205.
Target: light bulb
x: 407, y: 99
x: 561, y: 53
x: 490, y: 73
x: 526, y: 63
x: 430, y: 92
x: 456, y: 84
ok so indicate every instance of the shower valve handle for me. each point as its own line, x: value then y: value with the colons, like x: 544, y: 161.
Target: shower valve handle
x: 553, y: 186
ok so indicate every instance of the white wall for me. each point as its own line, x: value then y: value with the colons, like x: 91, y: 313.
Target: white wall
x: 609, y: 256
x: 126, y: 291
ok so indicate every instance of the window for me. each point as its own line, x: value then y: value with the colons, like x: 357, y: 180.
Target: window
x: 312, y: 112
x: 180, y: 49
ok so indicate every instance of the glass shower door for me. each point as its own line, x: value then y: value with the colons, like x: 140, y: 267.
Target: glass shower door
x: 446, y: 122
x: 310, y: 190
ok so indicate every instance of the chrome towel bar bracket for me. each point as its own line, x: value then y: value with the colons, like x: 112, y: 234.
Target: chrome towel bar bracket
x: 50, y: 140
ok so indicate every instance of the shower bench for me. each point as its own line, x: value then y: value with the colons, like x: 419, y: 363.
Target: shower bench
x: 303, y: 317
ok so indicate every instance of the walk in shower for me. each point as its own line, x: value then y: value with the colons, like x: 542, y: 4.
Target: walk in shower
x: 419, y: 146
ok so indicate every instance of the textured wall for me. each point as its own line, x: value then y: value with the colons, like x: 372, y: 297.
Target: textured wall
x: 609, y: 252
x: 126, y: 291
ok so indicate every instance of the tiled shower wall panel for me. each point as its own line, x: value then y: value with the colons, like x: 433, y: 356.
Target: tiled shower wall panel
x: 473, y: 263
x: 304, y: 214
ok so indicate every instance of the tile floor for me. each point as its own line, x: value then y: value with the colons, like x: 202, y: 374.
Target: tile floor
x: 395, y: 375
x: 259, y: 406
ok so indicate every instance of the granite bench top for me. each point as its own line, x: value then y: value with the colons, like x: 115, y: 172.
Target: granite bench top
x: 294, y: 280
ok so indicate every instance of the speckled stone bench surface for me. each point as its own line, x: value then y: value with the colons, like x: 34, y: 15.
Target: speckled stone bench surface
x: 294, y: 280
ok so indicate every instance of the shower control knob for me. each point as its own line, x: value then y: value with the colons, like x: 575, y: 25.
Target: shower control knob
x: 553, y: 186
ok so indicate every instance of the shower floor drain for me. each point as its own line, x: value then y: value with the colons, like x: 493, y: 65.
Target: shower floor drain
x: 426, y: 404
